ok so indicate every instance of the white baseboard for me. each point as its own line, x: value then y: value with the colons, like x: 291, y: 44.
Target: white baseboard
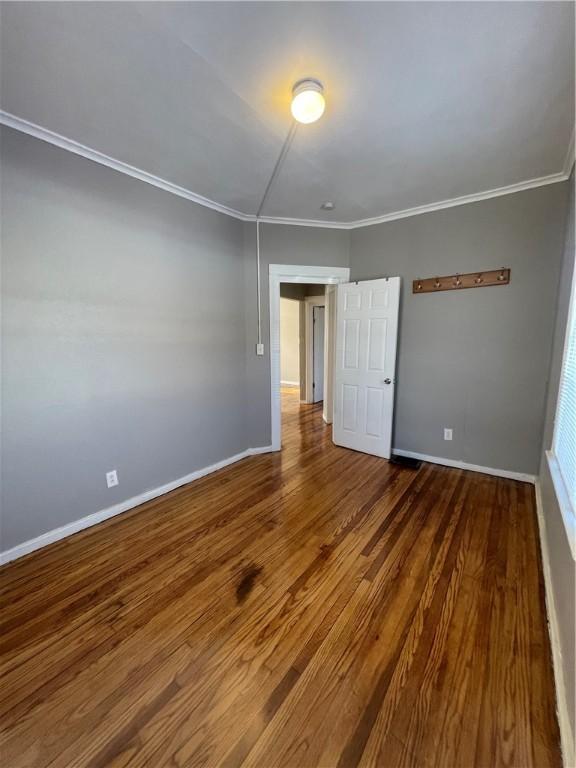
x: 104, y: 514
x: 566, y: 735
x: 289, y: 383
x: 262, y: 449
x: 470, y: 467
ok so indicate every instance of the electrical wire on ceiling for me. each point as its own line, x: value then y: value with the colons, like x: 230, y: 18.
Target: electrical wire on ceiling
x: 283, y: 152
x: 307, y: 107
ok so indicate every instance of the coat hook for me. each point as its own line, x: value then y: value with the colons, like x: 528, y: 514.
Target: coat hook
x: 457, y: 280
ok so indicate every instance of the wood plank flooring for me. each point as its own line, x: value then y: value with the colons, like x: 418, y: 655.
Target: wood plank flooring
x: 317, y: 607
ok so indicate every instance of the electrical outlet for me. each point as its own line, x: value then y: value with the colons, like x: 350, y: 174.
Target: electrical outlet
x: 112, y: 478
x: 260, y: 349
x: 447, y: 434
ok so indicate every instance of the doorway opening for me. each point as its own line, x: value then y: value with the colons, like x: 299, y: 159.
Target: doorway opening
x: 308, y: 294
x: 305, y: 336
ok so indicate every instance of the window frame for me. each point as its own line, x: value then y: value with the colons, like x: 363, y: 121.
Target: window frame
x: 562, y: 494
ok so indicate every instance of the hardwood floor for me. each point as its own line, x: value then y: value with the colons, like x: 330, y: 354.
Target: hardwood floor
x: 317, y: 607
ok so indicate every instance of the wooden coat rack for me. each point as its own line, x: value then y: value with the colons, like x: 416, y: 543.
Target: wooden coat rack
x: 457, y: 282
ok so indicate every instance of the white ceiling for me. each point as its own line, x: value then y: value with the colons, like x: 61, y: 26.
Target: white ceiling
x: 425, y: 101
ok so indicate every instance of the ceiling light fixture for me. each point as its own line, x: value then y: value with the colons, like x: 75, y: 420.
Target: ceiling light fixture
x: 308, y: 102
x: 327, y: 206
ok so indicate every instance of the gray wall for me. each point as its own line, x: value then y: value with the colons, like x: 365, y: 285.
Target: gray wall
x: 562, y: 566
x: 474, y: 360
x: 129, y: 318
x: 124, y: 339
x: 279, y: 244
x: 130, y: 331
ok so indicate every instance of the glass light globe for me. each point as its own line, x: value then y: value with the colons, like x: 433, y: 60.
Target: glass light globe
x: 308, y: 102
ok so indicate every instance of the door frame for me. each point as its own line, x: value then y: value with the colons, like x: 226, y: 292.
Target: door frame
x: 290, y: 273
x: 309, y: 303
x: 329, y: 353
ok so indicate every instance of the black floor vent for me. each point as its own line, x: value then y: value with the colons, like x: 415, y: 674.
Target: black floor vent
x: 405, y: 461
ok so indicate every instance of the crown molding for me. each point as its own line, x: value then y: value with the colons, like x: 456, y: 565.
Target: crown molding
x: 307, y: 222
x: 522, y: 186
x: 25, y: 126
x: 38, y: 132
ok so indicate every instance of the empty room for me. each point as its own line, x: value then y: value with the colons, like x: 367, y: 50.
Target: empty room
x: 288, y: 381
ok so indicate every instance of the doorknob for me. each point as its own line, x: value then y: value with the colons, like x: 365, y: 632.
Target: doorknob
x: 387, y: 381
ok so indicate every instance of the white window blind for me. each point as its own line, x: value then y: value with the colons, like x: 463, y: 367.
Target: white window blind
x: 565, y: 429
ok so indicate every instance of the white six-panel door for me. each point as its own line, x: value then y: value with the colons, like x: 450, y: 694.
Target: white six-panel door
x: 365, y: 365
